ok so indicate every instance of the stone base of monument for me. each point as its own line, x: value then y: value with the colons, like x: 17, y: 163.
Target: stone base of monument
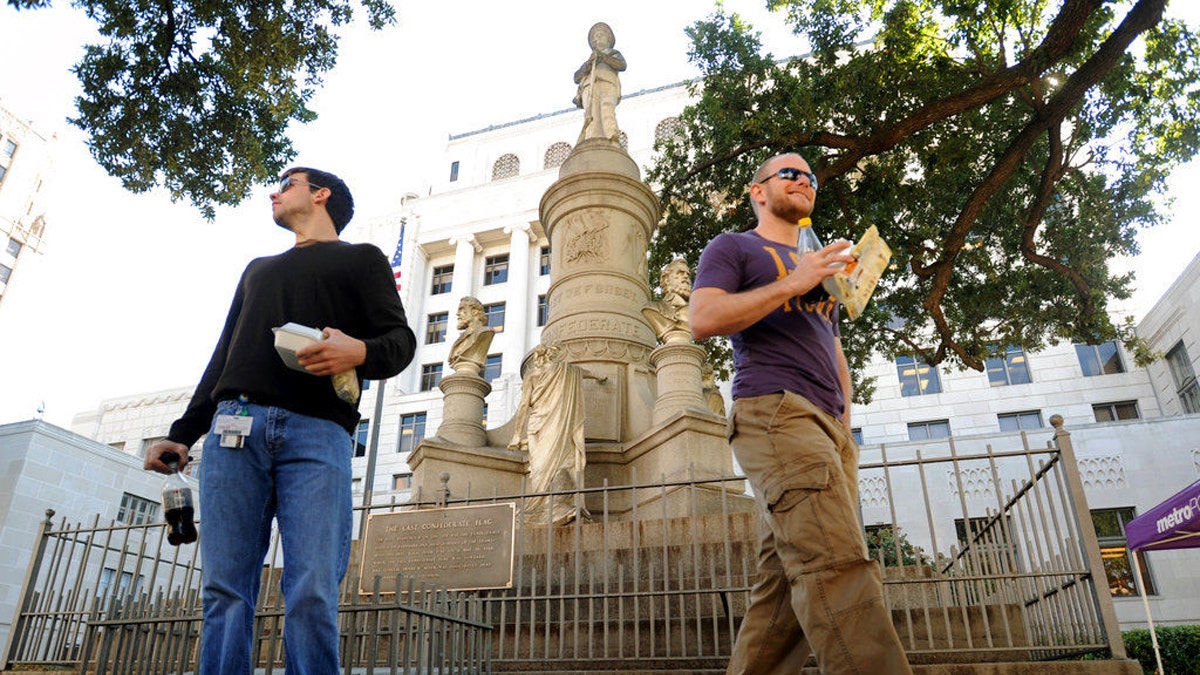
x: 477, y: 471
x: 599, y: 156
x: 690, y: 446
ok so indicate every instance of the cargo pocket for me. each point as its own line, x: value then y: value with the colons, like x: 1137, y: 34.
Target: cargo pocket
x: 794, y: 501
x: 809, y: 515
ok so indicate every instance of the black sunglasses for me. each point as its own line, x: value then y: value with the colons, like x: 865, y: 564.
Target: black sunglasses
x: 287, y: 182
x: 792, y: 173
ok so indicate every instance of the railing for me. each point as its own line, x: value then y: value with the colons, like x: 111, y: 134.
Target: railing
x: 999, y: 559
x: 988, y: 556
x: 118, y: 599
x: 420, y: 629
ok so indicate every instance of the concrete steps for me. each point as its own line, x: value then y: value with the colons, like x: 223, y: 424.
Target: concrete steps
x: 1126, y: 667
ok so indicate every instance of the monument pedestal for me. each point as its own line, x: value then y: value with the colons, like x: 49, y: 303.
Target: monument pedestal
x: 462, y: 409
x: 691, y: 445
x: 477, y: 470
x: 600, y: 216
x: 677, y: 371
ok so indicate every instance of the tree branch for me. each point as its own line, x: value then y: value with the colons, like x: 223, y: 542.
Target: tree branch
x: 1060, y: 40
x: 1144, y: 15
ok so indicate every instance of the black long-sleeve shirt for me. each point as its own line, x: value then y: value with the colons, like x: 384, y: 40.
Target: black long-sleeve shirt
x: 336, y: 284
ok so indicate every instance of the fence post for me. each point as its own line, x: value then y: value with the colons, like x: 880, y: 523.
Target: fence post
x: 27, y: 591
x: 1087, y: 538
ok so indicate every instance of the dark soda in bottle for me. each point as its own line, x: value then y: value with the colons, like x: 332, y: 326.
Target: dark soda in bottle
x: 177, y: 504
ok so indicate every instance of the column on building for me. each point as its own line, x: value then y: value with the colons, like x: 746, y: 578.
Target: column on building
x: 516, y: 318
x: 416, y: 288
x: 466, y: 247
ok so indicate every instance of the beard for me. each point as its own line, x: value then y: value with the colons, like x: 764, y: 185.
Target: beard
x: 782, y: 206
x: 788, y: 211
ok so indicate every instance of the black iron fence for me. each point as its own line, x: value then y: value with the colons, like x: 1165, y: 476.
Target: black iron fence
x: 988, y: 555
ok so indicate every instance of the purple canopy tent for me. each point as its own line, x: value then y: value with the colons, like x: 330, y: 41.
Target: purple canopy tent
x: 1175, y: 523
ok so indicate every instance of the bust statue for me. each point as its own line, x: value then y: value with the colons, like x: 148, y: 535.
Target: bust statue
x: 669, y: 315
x: 712, y: 395
x: 469, y: 352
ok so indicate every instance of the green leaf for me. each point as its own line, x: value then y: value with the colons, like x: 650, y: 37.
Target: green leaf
x: 196, y: 96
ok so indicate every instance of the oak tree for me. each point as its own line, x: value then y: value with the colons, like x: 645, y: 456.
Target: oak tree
x: 197, y: 95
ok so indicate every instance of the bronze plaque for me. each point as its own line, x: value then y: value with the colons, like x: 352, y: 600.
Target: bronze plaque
x: 461, y: 547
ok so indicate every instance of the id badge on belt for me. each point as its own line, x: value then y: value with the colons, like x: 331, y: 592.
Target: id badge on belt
x: 233, y: 429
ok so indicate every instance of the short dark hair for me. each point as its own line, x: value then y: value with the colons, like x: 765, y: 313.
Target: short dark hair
x: 762, y: 168
x: 340, y: 204
x: 762, y: 173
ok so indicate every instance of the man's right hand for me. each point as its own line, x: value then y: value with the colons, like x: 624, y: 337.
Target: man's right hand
x: 816, y: 266
x: 155, y: 452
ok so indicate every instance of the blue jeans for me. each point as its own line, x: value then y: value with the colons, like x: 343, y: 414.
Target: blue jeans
x: 295, y: 469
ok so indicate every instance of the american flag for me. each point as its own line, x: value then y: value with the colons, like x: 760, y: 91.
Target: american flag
x: 398, y: 257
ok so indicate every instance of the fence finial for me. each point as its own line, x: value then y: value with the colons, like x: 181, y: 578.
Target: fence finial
x: 444, y: 493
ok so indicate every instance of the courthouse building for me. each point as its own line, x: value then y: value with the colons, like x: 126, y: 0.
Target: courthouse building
x: 474, y: 230
x: 25, y: 165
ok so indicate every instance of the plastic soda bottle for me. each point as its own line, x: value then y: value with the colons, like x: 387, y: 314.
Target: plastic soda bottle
x: 178, y: 506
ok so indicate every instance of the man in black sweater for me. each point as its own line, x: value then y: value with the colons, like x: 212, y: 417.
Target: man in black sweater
x: 278, y: 444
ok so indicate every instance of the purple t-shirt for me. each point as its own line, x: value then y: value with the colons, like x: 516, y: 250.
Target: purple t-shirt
x: 793, y: 348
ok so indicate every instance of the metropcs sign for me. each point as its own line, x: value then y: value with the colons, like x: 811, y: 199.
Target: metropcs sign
x: 1179, y: 515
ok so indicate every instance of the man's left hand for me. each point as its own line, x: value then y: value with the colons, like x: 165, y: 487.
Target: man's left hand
x: 337, y: 353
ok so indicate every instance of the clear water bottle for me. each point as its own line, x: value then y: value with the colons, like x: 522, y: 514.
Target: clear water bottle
x: 810, y: 242
x: 178, y: 506
x: 808, y: 238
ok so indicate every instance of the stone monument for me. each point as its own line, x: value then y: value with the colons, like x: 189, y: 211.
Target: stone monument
x: 639, y: 407
x: 669, y: 316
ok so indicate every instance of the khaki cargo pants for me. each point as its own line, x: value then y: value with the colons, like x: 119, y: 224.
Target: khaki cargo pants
x: 817, y: 590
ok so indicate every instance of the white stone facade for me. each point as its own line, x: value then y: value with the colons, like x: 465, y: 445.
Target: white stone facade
x: 1172, y: 327
x: 26, y: 163
x: 972, y: 405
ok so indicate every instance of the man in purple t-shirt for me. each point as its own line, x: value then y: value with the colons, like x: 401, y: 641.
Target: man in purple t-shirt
x: 790, y: 431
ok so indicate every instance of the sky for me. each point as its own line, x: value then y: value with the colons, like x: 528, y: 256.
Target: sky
x: 131, y: 291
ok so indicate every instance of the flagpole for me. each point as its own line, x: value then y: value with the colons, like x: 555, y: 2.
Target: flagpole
x: 372, y: 451
x: 380, y: 386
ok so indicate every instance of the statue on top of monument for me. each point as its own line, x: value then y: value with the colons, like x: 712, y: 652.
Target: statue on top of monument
x: 669, y: 315
x: 600, y: 85
x: 550, y: 421
x: 469, y: 352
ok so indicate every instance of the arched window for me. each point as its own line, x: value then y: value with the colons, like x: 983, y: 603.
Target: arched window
x: 556, y: 154
x: 668, y: 128
x: 506, y: 167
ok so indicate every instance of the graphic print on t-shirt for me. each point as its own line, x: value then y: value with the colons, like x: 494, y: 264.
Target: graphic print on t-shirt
x: 823, y: 307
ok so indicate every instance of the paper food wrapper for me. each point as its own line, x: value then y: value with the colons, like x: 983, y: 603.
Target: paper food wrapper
x: 854, y: 288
